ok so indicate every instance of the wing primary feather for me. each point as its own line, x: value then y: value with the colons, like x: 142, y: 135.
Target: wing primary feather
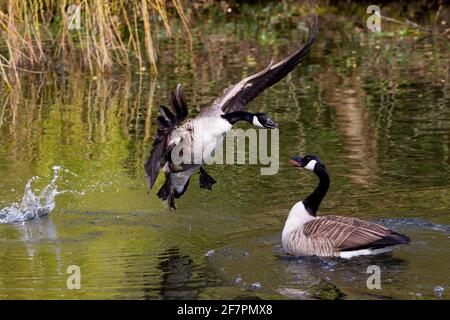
x: 182, y: 101
x: 237, y: 97
x: 166, y: 114
x: 174, y: 103
x: 167, y: 121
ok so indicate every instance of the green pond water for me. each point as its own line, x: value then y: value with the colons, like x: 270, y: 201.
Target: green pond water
x: 376, y: 110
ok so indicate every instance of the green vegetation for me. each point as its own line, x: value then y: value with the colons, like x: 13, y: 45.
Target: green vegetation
x: 48, y: 35
x: 373, y: 106
x: 106, y: 37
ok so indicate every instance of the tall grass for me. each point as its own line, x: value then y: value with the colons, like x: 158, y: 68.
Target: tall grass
x: 36, y: 37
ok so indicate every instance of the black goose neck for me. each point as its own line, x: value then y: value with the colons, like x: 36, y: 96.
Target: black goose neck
x: 236, y: 116
x: 312, y: 202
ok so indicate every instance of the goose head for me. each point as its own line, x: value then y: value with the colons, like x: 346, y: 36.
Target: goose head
x: 261, y: 120
x: 309, y: 162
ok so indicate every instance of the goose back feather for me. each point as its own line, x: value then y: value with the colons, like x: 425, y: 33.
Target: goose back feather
x: 331, y: 235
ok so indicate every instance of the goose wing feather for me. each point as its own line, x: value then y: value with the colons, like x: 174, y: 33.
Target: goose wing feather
x: 347, y: 233
x: 167, y: 122
x: 237, y: 96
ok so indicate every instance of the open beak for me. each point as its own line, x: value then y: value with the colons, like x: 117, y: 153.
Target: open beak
x: 270, y: 124
x: 294, y: 163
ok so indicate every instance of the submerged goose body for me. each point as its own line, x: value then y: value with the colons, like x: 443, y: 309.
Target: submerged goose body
x: 305, y: 234
x: 203, y: 134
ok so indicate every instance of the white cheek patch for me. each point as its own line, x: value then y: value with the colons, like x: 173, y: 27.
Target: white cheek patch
x: 256, y: 122
x: 310, y: 166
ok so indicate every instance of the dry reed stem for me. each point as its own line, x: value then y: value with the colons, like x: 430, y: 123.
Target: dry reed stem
x: 34, y: 35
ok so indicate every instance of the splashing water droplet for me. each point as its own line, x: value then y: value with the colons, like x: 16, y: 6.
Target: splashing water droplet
x: 439, y: 291
x: 256, y: 286
x: 32, y: 205
x: 210, y: 253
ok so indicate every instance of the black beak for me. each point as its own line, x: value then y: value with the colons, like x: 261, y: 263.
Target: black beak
x: 270, y: 124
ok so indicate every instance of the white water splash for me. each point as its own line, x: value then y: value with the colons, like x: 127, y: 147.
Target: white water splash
x: 33, y: 205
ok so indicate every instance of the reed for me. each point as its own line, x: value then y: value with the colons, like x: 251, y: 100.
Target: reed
x: 97, y: 35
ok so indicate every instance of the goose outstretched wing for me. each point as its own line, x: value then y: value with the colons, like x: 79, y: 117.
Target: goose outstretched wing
x: 167, y: 121
x: 237, y: 96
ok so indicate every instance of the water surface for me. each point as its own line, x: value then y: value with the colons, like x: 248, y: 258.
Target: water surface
x: 375, y: 109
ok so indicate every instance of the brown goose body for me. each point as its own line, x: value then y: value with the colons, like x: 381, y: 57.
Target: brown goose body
x: 337, y: 236
x: 305, y: 234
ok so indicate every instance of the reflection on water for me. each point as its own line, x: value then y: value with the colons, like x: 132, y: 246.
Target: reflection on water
x: 353, y: 120
x: 35, y: 231
x: 176, y: 272
x: 377, y: 114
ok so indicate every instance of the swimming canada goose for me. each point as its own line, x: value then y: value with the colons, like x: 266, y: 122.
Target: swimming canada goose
x: 208, y: 128
x: 305, y: 234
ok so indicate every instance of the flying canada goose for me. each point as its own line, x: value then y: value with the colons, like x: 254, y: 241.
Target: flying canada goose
x: 208, y: 128
x: 305, y: 234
